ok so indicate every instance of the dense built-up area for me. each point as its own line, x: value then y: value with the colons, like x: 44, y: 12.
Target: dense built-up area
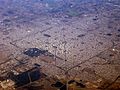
x: 69, y: 39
